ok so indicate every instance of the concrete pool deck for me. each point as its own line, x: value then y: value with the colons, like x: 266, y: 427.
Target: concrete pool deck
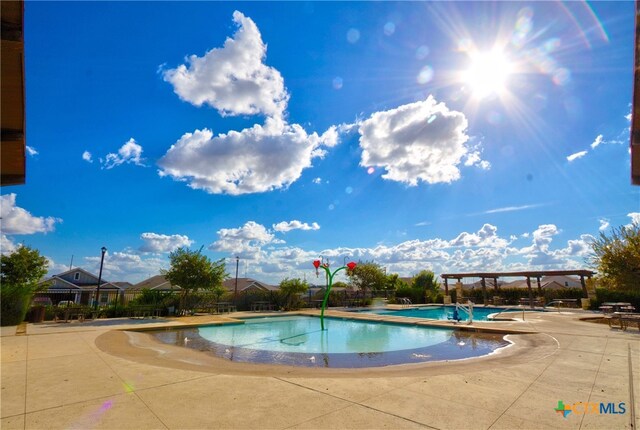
x: 70, y: 375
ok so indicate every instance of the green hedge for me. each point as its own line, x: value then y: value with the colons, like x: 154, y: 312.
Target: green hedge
x: 604, y: 295
x: 15, y: 302
x: 416, y: 295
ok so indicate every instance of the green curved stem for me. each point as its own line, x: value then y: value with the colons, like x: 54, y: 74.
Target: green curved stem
x: 326, y: 294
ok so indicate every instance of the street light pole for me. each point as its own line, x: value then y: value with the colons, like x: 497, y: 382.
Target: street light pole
x: 103, y: 249
x: 235, y: 291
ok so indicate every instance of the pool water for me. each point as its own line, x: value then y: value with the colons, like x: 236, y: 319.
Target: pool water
x: 442, y: 313
x: 299, y: 341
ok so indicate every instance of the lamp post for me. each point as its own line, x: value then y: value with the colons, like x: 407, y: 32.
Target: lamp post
x: 235, y: 291
x: 103, y: 249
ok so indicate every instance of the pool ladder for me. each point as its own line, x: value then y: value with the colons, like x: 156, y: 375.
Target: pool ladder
x: 468, y: 309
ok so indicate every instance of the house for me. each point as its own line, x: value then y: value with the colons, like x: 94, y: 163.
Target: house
x: 563, y: 281
x: 156, y: 283
x: 546, y: 282
x: 80, y: 286
x: 488, y: 283
x: 247, y: 285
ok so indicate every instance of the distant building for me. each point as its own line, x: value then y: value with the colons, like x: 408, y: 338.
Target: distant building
x: 247, y: 284
x: 546, y: 282
x: 156, y: 283
x: 81, y: 287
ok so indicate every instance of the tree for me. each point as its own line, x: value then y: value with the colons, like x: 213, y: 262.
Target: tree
x: 426, y: 283
x: 368, y: 276
x: 394, y: 282
x: 190, y: 270
x: 616, y: 256
x: 218, y: 291
x: 19, y: 275
x: 291, y: 289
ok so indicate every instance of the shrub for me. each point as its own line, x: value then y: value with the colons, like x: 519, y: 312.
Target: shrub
x: 15, y: 302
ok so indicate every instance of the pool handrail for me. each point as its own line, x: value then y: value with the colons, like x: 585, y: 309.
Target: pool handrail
x: 510, y: 308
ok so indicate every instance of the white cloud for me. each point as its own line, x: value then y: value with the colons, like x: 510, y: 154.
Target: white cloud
x: 604, y: 224
x: 254, y: 160
x: 128, y: 153
x: 232, y: 79
x: 119, y: 266
x: 235, y: 80
x: 317, y: 180
x: 158, y: 243
x: 286, y: 226
x: 635, y: 217
x: 16, y: 220
x: 596, y: 142
x: 510, y: 209
x: 482, y: 251
x: 245, y: 241
x: 421, y: 141
x: 32, y: 151
x: 6, y: 245
x: 543, y: 235
x: 577, y: 155
x: 487, y: 237
x: 579, y: 247
x: 86, y: 156
x: 269, y: 261
x: 54, y: 268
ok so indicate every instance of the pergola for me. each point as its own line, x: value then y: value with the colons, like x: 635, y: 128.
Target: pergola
x: 536, y: 274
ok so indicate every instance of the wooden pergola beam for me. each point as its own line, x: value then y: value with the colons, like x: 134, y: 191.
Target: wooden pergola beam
x: 530, y: 273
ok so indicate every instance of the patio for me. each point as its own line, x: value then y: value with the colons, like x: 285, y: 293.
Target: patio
x: 57, y: 376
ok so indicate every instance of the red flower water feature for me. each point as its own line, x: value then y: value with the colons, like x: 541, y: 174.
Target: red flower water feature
x: 317, y: 264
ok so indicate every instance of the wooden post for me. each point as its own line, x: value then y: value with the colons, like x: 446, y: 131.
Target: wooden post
x: 539, y: 286
x: 446, y: 287
x: 584, y: 286
x: 495, y: 284
x: 530, y: 292
x: 484, y: 291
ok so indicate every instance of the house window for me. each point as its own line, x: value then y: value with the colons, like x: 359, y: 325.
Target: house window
x: 566, y: 283
x: 104, y: 297
x: 76, y: 276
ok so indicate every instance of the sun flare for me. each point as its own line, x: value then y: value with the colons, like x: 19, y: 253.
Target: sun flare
x: 488, y: 73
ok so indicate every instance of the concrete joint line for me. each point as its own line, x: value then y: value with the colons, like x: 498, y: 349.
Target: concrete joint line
x: 355, y: 403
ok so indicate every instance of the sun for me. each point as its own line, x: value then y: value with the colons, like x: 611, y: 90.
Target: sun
x: 488, y: 73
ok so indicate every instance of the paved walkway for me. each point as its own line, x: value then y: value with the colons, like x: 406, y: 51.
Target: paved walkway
x: 57, y: 376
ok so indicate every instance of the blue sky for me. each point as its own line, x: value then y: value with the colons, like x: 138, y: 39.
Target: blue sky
x: 453, y: 137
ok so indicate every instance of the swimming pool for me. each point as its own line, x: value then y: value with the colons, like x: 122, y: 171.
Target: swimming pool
x: 298, y: 341
x: 440, y: 312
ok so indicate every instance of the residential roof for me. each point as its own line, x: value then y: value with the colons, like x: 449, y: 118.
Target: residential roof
x: 81, y: 286
x: 158, y: 282
x: 248, y: 283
